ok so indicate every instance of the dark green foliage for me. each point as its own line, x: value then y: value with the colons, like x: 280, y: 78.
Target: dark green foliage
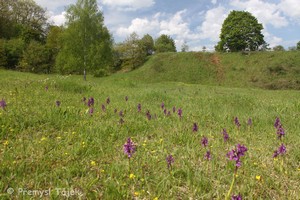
x: 86, y: 42
x: 148, y: 44
x: 298, y: 46
x: 165, y: 44
x: 36, y: 58
x: 3, y: 59
x: 131, y: 53
x: 14, y: 49
x: 240, y: 31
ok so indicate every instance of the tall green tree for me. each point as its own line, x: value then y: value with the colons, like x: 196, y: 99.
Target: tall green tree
x: 148, y: 44
x: 132, y: 51
x: 22, y: 18
x: 241, y: 31
x: 165, y: 43
x: 87, y: 43
x: 298, y: 46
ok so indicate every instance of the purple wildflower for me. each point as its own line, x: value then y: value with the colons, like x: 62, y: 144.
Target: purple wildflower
x: 169, y: 113
x: 165, y: 111
x: 57, y: 103
x: 126, y: 98
x: 207, y: 155
x: 91, y: 102
x: 237, y: 153
x: 121, y: 121
x: 277, y: 122
x: 103, y: 108
x: 3, y: 104
x: 204, y: 141
x: 180, y: 112
x: 139, y: 107
x: 91, y: 111
x: 121, y: 114
x: 225, y: 135
x: 249, y: 122
x: 148, y: 115
x: 174, y: 109
x: 237, y: 122
x: 129, y: 148
x: 236, y: 197
x: 195, y: 127
x: 170, y: 161
x: 280, y: 151
x: 107, y: 100
x: 162, y: 105
x: 280, y: 131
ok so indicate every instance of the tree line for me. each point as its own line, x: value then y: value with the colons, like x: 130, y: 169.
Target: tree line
x: 28, y: 42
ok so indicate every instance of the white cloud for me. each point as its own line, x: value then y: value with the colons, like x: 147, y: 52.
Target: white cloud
x: 57, y: 19
x: 291, y: 8
x: 213, y: 20
x: 214, y: 1
x: 266, y: 13
x: 54, y: 4
x: 129, y: 4
x: 271, y: 39
x: 175, y: 25
x: 140, y: 26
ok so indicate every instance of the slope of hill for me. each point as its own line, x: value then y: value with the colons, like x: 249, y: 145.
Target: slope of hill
x: 269, y: 70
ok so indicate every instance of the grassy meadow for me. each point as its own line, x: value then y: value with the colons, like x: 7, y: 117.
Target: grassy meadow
x: 54, y: 146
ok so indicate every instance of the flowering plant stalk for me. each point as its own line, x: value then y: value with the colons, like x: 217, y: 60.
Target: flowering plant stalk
x: 235, y: 155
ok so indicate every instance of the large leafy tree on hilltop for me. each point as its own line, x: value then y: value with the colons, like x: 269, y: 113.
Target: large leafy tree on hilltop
x: 87, y: 43
x: 241, y: 31
x: 165, y: 43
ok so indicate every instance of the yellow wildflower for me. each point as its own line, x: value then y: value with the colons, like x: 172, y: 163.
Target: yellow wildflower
x: 257, y: 177
x: 156, y: 198
x: 93, y: 163
x: 58, y: 137
x: 102, y: 170
x: 5, y: 143
x: 136, y: 194
x: 131, y: 176
x: 43, y: 139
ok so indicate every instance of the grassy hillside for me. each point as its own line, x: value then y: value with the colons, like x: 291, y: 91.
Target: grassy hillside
x: 48, y: 149
x: 269, y: 70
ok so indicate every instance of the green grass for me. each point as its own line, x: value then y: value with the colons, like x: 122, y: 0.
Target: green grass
x: 44, y: 146
x: 267, y: 70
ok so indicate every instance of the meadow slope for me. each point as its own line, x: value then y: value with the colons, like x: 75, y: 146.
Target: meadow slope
x: 53, y: 140
x: 268, y: 70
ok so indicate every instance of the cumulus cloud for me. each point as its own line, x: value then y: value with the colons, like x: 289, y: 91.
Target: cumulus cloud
x: 271, y: 39
x: 290, y: 8
x: 266, y: 13
x: 57, y: 19
x: 141, y: 26
x: 213, y: 20
x: 129, y: 4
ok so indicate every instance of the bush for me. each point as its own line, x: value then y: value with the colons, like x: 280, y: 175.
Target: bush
x: 36, y: 59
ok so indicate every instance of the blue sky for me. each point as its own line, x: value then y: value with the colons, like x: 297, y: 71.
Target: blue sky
x: 196, y: 22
